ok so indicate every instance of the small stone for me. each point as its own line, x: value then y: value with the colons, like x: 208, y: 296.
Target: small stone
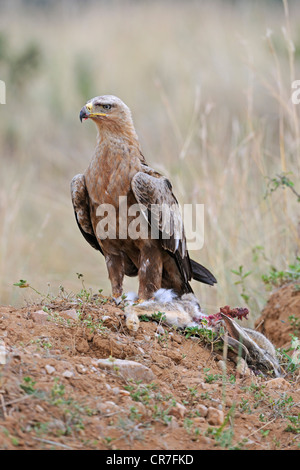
x: 278, y: 383
x: 202, y: 410
x: 105, y: 318
x: 107, y: 407
x: 204, y: 386
x: 242, y: 368
x: 222, y: 365
x: 57, y: 425
x: 39, y: 316
x: 160, y: 330
x: 173, y: 424
x: 177, y: 339
x: 215, y: 417
x: 178, y: 410
x: 82, y: 346
x: 132, y: 322
x: 128, y: 369
x: 228, y: 402
x: 39, y: 408
x: 72, y: 314
x: 198, y: 420
x: 49, y: 369
x: 81, y: 369
x: 68, y: 374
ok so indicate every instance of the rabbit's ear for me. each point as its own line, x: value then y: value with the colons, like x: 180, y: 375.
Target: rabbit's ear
x: 237, y: 333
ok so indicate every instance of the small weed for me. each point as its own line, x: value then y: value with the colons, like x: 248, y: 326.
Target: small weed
x: 291, y: 355
x: 158, y: 317
x: 193, y: 391
x: 224, y: 437
x: 277, y: 278
x: 15, y: 441
x: 93, y: 325
x: 28, y: 385
x: 161, y: 414
x: 294, y: 426
x: 141, y: 392
x: 245, y: 406
x: 23, y: 284
x: 242, y: 276
x: 209, y: 378
x: 295, y: 323
x: 281, y: 181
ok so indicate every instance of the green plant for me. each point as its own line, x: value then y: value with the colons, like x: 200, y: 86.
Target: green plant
x: 294, y: 425
x: 290, y: 356
x: 209, y: 378
x: 141, y: 392
x: 224, y: 437
x: 28, y: 385
x: 23, y: 284
x: 158, y: 317
x: 295, y: 323
x: 277, y: 278
x: 242, y: 276
x: 93, y: 325
x: 281, y: 181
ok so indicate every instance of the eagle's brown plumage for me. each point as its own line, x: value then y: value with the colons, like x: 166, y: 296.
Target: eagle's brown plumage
x: 118, y: 168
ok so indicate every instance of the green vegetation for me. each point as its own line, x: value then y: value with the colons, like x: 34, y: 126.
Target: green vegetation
x: 277, y: 278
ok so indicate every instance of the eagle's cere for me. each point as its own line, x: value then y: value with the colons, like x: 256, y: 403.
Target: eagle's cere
x: 118, y: 168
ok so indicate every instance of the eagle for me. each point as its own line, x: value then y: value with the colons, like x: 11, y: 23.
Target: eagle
x: 118, y: 172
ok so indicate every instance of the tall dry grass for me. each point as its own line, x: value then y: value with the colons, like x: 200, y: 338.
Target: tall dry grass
x: 209, y: 85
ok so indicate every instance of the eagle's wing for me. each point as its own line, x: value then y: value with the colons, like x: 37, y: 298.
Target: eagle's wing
x: 161, y: 209
x: 154, y: 192
x: 80, y: 200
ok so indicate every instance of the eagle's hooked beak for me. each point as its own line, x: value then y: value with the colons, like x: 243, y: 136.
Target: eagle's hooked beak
x: 83, y: 114
x: 86, y: 113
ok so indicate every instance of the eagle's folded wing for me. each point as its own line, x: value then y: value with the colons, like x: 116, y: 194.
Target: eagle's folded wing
x: 80, y: 200
x: 161, y: 209
x: 154, y: 192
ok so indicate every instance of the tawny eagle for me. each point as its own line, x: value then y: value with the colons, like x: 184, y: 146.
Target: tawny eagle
x: 118, y: 171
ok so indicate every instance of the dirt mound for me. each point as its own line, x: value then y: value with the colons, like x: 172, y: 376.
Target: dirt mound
x: 73, y: 377
x: 280, y: 319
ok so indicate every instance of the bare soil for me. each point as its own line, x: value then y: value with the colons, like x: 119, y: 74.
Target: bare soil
x: 54, y: 395
x: 274, y: 321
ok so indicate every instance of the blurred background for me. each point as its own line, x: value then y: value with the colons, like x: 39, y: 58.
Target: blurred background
x: 209, y: 86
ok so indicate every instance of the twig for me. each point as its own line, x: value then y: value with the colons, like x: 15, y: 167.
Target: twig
x: 267, y: 424
x: 53, y: 443
x: 3, y: 404
x: 18, y: 399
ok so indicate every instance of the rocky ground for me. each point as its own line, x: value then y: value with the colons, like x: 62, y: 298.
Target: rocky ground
x: 74, y: 377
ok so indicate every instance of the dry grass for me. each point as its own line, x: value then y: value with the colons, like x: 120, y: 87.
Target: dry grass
x: 209, y: 87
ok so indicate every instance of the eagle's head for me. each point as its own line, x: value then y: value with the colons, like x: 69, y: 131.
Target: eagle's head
x: 107, y: 110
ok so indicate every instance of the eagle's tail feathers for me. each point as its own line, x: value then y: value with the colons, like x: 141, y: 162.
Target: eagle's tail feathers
x: 202, y: 274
